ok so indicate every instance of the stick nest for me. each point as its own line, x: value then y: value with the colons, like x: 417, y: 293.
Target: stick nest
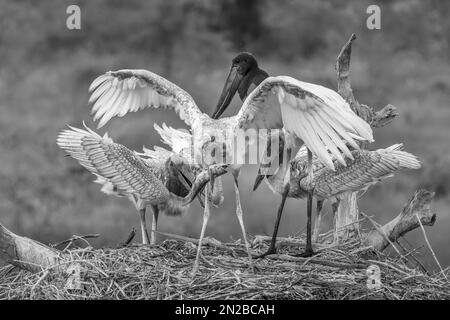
x: 164, y: 272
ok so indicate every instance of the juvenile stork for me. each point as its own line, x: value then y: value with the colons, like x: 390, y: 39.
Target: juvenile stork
x: 366, y: 169
x: 180, y: 142
x: 159, y: 178
x: 308, y: 113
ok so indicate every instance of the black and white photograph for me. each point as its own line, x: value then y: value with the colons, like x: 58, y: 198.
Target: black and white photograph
x: 224, y: 155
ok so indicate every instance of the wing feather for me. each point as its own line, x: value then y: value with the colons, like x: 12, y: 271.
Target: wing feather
x: 367, y: 168
x: 114, y: 165
x: 325, y: 136
x: 317, y: 115
x: 138, y: 89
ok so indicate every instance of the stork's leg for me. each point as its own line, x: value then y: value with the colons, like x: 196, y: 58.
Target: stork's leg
x: 202, y: 233
x: 334, y: 208
x: 144, y: 233
x: 318, y: 220
x: 154, y: 225
x: 272, y: 248
x: 308, y: 250
x: 240, y: 215
x: 286, y: 183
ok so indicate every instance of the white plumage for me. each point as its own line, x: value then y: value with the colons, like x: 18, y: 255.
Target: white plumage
x: 308, y: 113
x: 318, y: 116
x: 143, y: 179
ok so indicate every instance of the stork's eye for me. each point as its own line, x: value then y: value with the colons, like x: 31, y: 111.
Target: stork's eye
x: 213, y: 138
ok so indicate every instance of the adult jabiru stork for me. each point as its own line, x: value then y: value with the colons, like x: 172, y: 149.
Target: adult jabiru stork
x: 159, y: 178
x: 308, y: 114
x: 302, y: 118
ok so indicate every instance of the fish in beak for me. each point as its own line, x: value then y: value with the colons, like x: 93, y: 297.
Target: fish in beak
x: 229, y: 90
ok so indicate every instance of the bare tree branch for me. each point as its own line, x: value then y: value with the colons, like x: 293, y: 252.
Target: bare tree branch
x: 419, y: 205
x: 347, y: 211
x: 26, y: 253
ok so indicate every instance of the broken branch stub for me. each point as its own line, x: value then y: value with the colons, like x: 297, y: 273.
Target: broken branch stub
x: 406, y: 221
x: 26, y: 253
x: 346, y: 223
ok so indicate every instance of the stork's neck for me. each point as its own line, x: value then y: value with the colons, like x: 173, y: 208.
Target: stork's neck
x: 251, y: 80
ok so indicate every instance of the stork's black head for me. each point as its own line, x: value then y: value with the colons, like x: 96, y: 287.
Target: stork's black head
x: 244, y: 62
x: 241, y: 67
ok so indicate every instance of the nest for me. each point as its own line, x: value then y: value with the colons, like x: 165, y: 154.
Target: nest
x: 165, y: 272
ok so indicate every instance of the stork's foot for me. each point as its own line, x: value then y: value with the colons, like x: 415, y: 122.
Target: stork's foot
x: 271, y: 250
x: 305, y: 254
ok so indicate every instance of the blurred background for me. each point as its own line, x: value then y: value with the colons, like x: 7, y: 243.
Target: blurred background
x: 45, y: 71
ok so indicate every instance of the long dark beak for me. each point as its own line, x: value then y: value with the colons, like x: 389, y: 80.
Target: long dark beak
x: 228, y: 91
x: 186, y: 177
x: 258, y: 180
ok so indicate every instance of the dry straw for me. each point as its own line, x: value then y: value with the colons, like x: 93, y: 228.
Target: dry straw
x: 164, y: 272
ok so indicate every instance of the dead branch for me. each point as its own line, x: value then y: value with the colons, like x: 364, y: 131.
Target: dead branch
x: 347, y: 211
x: 26, y: 253
x: 375, y: 119
x: 73, y: 238
x: 406, y: 221
x: 130, y: 238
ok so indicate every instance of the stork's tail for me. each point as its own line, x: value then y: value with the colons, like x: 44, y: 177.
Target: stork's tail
x: 406, y: 159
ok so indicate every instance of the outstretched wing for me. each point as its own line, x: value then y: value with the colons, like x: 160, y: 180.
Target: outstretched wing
x: 317, y: 115
x: 367, y: 168
x: 179, y: 141
x: 116, y: 93
x: 113, y: 162
x: 156, y: 155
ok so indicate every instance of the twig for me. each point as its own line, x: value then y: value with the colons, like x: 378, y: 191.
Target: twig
x: 75, y: 237
x: 130, y: 238
x: 383, y: 234
x: 429, y: 246
x: 207, y: 240
x: 44, y: 275
x: 411, y: 254
x: 286, y: 257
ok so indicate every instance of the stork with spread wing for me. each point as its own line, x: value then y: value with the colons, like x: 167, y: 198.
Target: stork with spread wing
x: 308, y: 113
x: 159, y: 178
x: 367, y: 169
x: 303, y: 117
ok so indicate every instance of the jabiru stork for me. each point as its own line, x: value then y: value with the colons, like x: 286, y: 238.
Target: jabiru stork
x: 366, y: 169
x: 159, y: 178
x: 307, y: 113
x: 300, y: 118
